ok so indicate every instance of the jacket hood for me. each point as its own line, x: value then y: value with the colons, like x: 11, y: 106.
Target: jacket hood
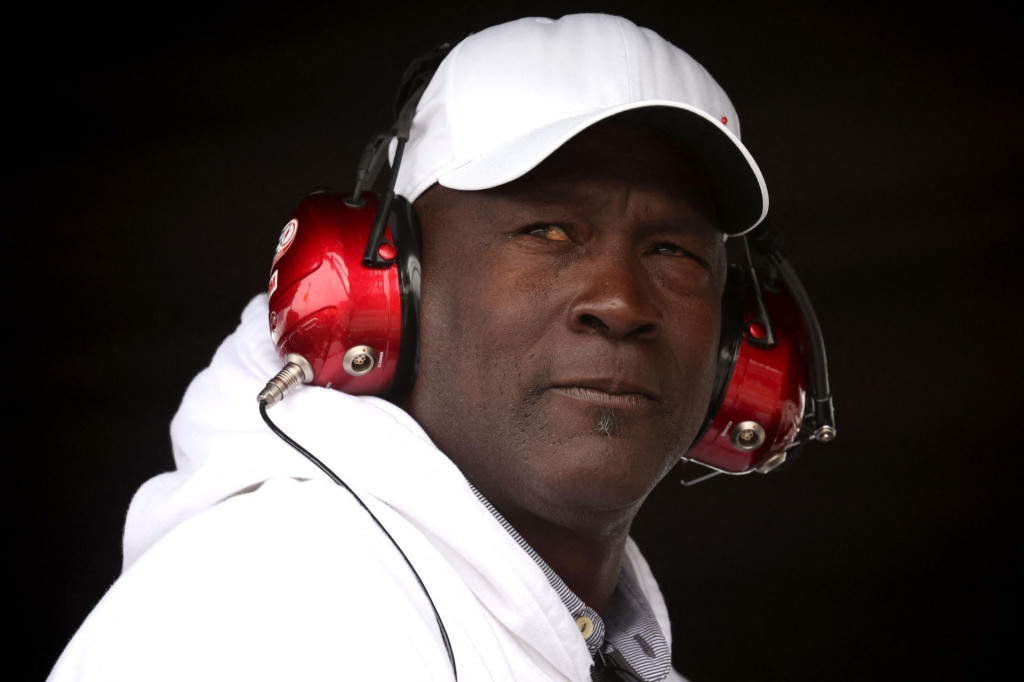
x: 222, y: 447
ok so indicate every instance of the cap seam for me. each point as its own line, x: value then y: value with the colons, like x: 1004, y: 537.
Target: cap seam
x: 628, y: 58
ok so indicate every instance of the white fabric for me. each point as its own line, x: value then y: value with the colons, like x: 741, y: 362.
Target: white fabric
x: 248, y: 563
x: 508, y: 96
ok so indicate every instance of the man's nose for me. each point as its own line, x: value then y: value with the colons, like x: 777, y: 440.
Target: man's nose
x: 616, y: 297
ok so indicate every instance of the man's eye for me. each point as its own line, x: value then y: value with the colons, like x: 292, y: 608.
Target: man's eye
x: 552, y: 233
x: 667, y: 249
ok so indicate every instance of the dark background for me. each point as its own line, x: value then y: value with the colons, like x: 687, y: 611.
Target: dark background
x: 154, y: 158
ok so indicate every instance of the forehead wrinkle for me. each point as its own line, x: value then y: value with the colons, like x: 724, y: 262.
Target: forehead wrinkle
x: 659, y: 211
x: 550, y: 201
x: 592, y: 180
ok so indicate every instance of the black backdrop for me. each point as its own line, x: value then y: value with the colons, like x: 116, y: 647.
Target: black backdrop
x: 155, y: 156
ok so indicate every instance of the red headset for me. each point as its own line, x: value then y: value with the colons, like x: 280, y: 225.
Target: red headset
x: 344, y: 307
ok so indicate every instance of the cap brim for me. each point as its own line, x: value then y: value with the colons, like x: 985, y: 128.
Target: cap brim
x: 736, y: 181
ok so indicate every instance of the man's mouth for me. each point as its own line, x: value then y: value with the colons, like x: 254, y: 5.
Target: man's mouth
x: 608, y: 393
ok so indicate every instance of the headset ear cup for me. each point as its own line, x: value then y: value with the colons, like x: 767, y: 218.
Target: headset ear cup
x: 405, y: 230
x: 759, y: 398
x: 343, y: 316
x: 734, y: 308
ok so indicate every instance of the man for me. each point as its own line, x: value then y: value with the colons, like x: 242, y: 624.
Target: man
x: 574, y: 181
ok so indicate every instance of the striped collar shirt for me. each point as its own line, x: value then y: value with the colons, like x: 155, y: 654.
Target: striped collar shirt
x: 627, y: 644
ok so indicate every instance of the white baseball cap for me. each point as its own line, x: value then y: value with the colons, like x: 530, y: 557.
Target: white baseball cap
x: 508, y: 96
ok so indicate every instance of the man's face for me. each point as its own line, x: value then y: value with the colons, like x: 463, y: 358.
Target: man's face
x: 569, y: 325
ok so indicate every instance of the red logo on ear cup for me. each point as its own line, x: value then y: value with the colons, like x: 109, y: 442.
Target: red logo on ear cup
x: 285, y: 240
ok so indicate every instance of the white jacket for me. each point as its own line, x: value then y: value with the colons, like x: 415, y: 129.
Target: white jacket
x: 248, y: 563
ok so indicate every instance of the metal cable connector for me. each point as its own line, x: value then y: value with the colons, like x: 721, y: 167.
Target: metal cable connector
x: 296, y: 371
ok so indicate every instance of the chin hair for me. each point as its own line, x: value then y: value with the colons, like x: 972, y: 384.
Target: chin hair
x: 607, y: 423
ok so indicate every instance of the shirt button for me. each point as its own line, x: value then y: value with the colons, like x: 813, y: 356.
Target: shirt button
x: 586, y: 626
